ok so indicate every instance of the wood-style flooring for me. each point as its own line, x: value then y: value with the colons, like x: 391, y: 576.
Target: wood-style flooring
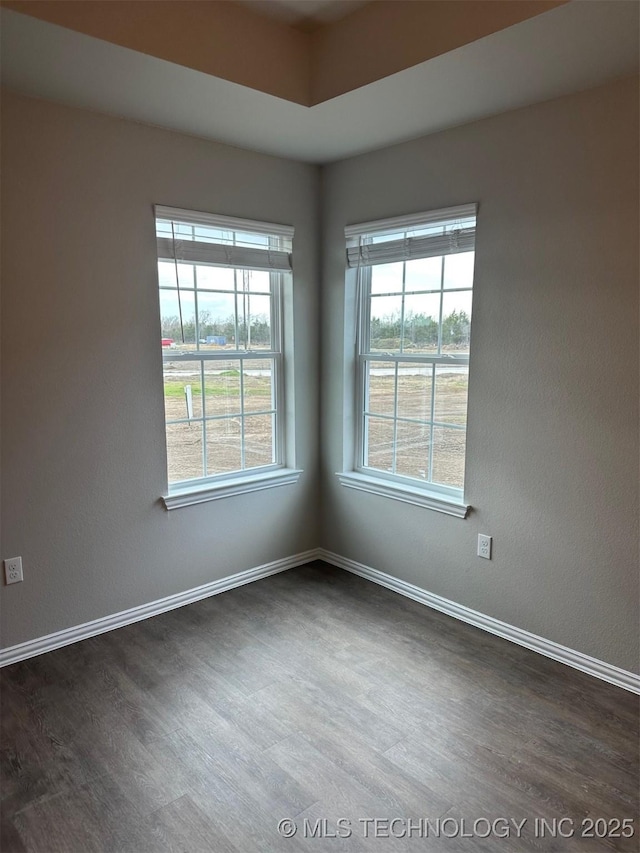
x: 316, y: 696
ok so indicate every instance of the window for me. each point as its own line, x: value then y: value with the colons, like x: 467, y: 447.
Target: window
x: 221, y: 293
x: 414, y: 281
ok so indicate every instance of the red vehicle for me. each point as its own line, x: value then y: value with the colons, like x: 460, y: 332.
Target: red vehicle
x: 167, y: 342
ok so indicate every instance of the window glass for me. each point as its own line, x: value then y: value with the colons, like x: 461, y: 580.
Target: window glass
x: 221, y: 346
x: 415, y: 317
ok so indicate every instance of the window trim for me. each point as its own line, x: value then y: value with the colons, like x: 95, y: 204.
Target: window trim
x: 356, y: 475
x: 241, y: 481
x: 411, y: 220
x: 427, y: 498
x: 203, y: 491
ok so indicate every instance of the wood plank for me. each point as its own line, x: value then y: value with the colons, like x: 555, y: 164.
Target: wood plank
x: 312, y: 694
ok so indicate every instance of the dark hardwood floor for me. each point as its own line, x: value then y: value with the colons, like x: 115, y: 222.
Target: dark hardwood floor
x: 317, y: 696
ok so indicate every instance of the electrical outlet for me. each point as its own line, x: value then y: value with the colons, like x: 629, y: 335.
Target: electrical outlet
x: 484, y: 546
x: 13, y: 570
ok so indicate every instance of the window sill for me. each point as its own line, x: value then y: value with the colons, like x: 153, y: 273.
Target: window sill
x: 189, y: 495
x: 406, y: 494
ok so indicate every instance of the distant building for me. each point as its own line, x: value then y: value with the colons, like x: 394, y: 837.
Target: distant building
x: 218, y: 340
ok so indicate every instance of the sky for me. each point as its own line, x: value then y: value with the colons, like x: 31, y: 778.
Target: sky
x: 422, y: 274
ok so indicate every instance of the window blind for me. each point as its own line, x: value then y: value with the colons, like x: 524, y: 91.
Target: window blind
x: 223, y: 255
x: 423, y: 235
x: 223, y: 241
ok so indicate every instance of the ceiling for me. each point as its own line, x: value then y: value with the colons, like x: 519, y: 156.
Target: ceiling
x: 572, y: 47
x: 228, y: 39
x: 306, y: 15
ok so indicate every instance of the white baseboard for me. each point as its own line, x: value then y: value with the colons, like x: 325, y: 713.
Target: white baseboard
x: 592, y: 666
x: 577, y: 660
x: 31, y: 648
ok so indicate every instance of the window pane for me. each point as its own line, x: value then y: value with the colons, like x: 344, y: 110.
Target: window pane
x: 456, y: 321
x: 167, y: 274
x: 183, y: 230
x: 448, y: 456
x: 222, y: 387
x: 259, y: 281
x: 259, y: 313
x: 452, y: 384
x: 414, y: 391
x: 216, y: 318
x: 385, y: 323
x: 223, y: 445
x: 205, y: 234
x: 257, y: 380
x: 412, y: 449
x: 170, y: 303
x: 421, y: 316
x: 163, y: 228
x: 425, y: 230
x: 253, y: 240
x: 179, y: 401
x: 418, y: 310
x: 184, y: 451
x: 220, y: 405
x: 214, y: 278
x: 380, y: 387
x: 379, y: 444
x: 386, y: 278
x: 458, y: 270
x: 258, y: 437
x: 423, y: 274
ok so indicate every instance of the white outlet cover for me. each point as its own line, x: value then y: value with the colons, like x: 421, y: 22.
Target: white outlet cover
x: 484, y: 546
x: 13, y: 570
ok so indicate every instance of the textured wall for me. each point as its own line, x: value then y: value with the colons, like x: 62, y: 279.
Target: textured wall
x: 552, y: 468
x: 83, y: 459
x: 553, y: 435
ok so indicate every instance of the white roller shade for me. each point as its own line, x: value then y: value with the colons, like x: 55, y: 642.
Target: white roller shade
x: 222, y: 241
x: 410, y: 248
x: 388, y: 241
x: 223, y: 255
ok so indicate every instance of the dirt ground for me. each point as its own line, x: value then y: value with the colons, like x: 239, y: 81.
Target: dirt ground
x: 221, y: 399
x: 413, y: 440
x: 223, y: 437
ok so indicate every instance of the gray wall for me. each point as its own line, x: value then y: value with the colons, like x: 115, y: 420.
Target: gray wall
x: 552, y: 468
x: 553, y: 443
x: 83, y: 435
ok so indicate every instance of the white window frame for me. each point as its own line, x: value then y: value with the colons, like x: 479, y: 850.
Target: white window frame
x: 277, y: 262
x: 360, y: 248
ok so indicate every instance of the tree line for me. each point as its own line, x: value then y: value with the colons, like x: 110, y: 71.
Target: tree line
x: 258, y: 328
x: 420, y: 329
